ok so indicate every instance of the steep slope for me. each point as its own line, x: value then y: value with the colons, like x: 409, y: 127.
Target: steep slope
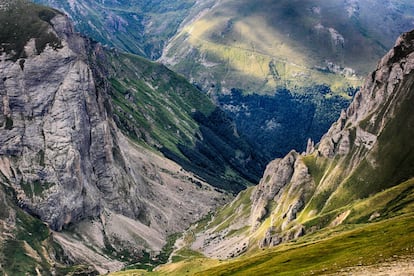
x: 315, y: 50
x: 361, y: 172
x: 108, y: 197
x: 161, y: 110
x: 139, y: 27
x: 259, y: 46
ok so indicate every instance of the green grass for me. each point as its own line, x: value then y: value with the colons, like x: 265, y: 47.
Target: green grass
x: 316, y: 167
x: 257, y: 48
x: 231, y: 212
x: 394, y: 155
x: 162, y: 104
x: 389, y: 203
x: 326, y: 251
x: 162, y: 111
x: 185, y: 254
x: 16, y: 261
x: 23, y: 21
x: 374, y: 243
x: 33, y: 232
x: 323, y: 249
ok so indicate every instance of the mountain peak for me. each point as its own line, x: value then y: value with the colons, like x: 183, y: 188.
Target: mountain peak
x: 368, y: 150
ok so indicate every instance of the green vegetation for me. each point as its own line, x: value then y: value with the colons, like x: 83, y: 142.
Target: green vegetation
x: 394, y: 143
x: 267, y: 120
x: 303, y: 47
x: 362, y: 245
x: 16, y: 261
x: 257, y: 48
x: 35, y: 188
x: 145, y: 261
x: 231, y: 213
x: 20, y: 22
x: 24, y: 253
x: 30, y: 250
x: 162, y: 111
x: 185, y: 254
x: 316, y: 166
x: 327, y: 251
x: 9, y: 123
x: 125, y: 24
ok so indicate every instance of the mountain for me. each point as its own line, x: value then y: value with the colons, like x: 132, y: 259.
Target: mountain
x: 308, y: 48
x: 138, y: 27
x: 315, y: 50
x: 348, y: 201
x: 84, y: 185
x: 161, y: 110
x: 258, y: 47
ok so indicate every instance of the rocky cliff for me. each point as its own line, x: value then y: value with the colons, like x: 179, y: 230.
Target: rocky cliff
x: 63, y: 159
x: 366, y: 152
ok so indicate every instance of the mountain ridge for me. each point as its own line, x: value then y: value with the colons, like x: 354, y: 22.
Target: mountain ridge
x: 96, y: 197
x: 359, y: 174
x: 245, y: 56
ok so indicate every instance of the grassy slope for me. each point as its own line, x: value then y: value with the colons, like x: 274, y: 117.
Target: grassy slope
x: 329, y: 250
x: 150, y: 92
x: 363, y: 245
x: 139, y: 27
x: 373, y: 204
x: 394, y: 154
x: 163, y: 111
x: 26, y: 243
x: 258, y: 47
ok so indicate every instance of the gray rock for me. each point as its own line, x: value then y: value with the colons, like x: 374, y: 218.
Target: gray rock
x: 62, y: 153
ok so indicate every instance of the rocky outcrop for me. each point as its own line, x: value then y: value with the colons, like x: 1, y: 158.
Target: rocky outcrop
x: 364, y: 112
x: 58, y: 135
x: 350, y: 141
x: 366, y: 151
x: 62, y: 154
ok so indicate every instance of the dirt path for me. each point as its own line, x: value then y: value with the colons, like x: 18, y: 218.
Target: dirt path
x: 399, y: 267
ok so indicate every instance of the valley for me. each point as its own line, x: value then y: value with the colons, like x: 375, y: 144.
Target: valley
x: 267, y: 153
x: 305, y: 47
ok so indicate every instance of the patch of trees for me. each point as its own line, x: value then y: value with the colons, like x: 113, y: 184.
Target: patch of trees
x: 276, y: 124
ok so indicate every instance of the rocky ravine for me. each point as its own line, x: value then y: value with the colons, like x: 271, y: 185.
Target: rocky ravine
x: 365, y: 152
x: 69, y: 165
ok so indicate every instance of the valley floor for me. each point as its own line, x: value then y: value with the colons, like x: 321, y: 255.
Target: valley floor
x: 380, y: 248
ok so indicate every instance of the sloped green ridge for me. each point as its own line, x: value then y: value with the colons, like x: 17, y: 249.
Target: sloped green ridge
x: 163, y: 111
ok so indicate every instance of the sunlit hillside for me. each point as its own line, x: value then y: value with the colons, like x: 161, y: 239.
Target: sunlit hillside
x: 259, y: 46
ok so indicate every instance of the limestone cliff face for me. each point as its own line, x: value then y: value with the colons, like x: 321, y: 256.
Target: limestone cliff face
x: 368, y: 150
x: 62, y: 154
x: 57, y: 140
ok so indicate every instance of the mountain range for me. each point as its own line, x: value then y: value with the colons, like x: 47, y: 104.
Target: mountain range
x: 309, y: 48
x: 318, y: 51
x: 109, y: 161
x: 138, y: 27
x: 85, y: 136
x: 346, y: 202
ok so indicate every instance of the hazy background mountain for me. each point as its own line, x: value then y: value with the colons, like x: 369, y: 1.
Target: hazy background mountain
x: 315, y: 50
x: 257, y: 46
x: 139, y: 27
